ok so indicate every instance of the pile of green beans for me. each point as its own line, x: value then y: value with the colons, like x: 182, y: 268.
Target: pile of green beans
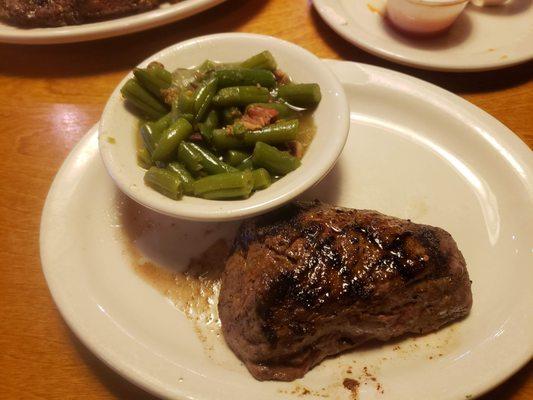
x: 218, y: 131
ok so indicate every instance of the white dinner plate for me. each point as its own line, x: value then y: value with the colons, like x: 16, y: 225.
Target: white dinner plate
x: 483, y: 38
x: 414, y: 151
x: 162, y: 15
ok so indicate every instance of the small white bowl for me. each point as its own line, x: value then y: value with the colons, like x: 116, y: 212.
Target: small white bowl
x: 424, y: 17
x: 331, y: 119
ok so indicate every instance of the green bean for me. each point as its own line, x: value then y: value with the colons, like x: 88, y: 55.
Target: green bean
x: 245, y: 77
x: 133, y: 88
x: 150, y: 81
x: 262, y: 179
x: 275, y: 161
x: 142, y: 99
x: 228, y: 194
x: 160, y: 125
x: 176, y: 111
x: 284, y: 111
x: 210, y: 163
x: 212, y: 119
x: 207, y: 66
x: 204, y: 97
x: 188, y: 117
x: 301, y: 95
x: 143, y: 158
x: 171, y: 139
x: 143, y: 109
x: 235, y: 157
x: 164, y: 181
x: 277, y: 133
x: 220, y: 102
x: 159, y: 70
x: 225, y: 186
x: 263, y: 60
x: 189, y: 157
x: 186, y: 102
x: 151, y: 132
x: 246, y: 164
x: 241, y: 96
x: 206, y: 127
x: 230, y: 114
x: 223, y: 141
x: 147, y: 136
x: 185, y: 177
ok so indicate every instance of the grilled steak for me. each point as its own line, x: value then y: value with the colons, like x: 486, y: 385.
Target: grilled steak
x: 312, y: 280
x: 34, y: 13
x: 98, y: 9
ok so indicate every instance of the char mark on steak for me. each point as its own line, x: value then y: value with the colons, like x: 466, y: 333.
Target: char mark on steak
x: 311, y: 280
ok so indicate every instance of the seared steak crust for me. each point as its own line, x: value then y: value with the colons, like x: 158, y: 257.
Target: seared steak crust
x: 312, y: 280
x: 33, y: 13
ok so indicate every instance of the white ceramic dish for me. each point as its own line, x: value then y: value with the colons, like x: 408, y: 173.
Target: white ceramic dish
x: 162, y: 15
x: 481, y: 39
x: 414, y: 151
x: 331, y: 118
x: 424, y: 17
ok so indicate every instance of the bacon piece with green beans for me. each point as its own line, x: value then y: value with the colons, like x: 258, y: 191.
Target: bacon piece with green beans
x: 284, y: 111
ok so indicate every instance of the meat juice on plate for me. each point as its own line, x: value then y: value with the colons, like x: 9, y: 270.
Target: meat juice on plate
x: 188, y: 275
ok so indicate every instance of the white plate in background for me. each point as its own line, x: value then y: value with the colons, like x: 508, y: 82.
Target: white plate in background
x: 414, y: 151
x: 164, y: 14
x: 483, y: 38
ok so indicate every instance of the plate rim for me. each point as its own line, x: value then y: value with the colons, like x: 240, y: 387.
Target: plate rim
x: 383, y: 52
x: 138, y: 378
x: 107, y: 28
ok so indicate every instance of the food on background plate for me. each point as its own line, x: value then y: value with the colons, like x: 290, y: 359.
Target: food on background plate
x: 312, y: 280
x: 48, y: 13
x: 220, y: 131
x: 424, y: 17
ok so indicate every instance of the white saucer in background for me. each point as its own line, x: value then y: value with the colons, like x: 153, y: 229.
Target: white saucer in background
x: 483, y: 38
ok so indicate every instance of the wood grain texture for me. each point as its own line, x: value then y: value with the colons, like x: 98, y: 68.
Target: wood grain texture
x: 51, y: 95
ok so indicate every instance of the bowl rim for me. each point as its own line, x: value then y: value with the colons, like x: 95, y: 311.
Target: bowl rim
x: 222, y: 213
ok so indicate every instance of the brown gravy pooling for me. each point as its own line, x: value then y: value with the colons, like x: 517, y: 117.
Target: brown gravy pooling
x: 167, y: 254
x: 195, y: 290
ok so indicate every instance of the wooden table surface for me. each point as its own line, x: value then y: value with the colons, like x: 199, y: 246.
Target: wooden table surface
x: 51, y: 95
